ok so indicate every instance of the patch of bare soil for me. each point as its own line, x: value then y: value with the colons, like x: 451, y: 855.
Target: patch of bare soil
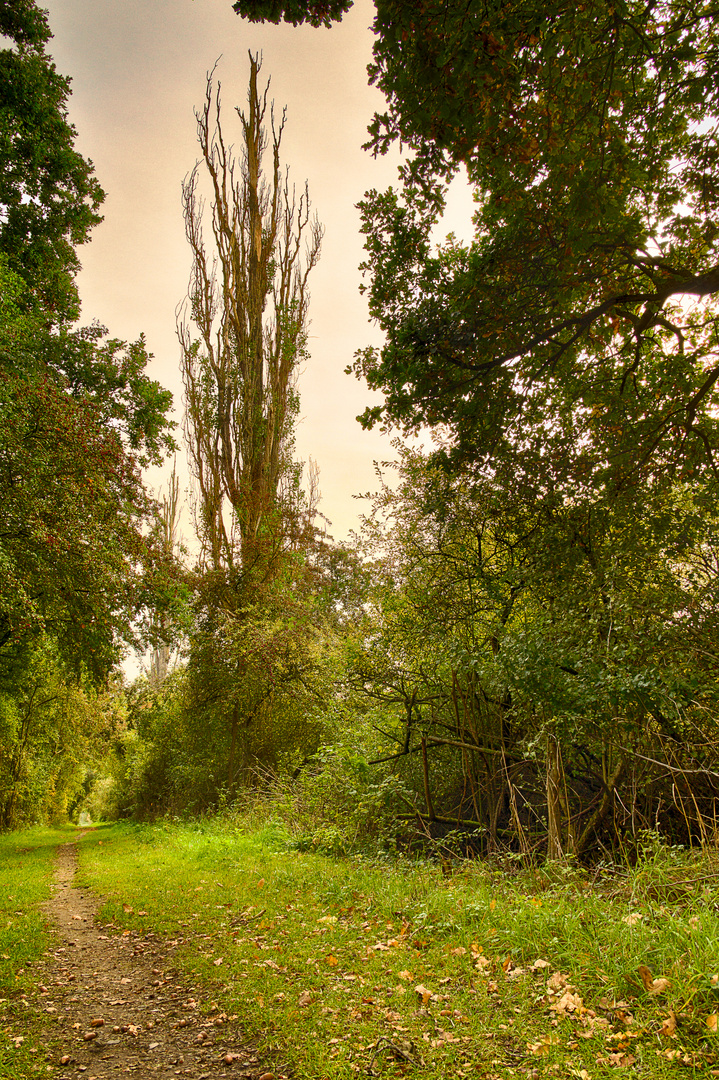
x: 114, y: 1006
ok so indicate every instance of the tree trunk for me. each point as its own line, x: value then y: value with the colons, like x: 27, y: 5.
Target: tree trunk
x: 554, y: 803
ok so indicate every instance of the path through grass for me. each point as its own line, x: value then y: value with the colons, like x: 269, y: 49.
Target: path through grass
x: 26, y: 871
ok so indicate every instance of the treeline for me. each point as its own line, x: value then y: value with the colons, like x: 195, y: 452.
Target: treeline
x: 518, y: 652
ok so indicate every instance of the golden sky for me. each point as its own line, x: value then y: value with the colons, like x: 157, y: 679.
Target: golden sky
x: 138, y: 70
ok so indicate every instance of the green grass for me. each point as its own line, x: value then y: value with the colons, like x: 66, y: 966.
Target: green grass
x: 320, y: 959
x: 26, y: 870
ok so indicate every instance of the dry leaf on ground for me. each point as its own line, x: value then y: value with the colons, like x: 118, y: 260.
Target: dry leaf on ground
x: 669, y: 1024
x: 651, y: 985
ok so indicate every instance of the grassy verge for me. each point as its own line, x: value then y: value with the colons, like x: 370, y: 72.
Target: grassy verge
x: 344, y: 967
x: 26, y: 869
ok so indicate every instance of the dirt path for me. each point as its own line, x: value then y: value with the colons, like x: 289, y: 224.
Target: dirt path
x: 115, y: 1007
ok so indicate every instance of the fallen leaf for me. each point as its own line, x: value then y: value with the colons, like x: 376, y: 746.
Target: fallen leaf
x: 218, y: 961
x: 516, y: 973
x: 125, y: 907
x: 460, y: 951
x: 97, y: 1022
x: 544, y: 1046
x: 304, y: 999
x: 633, y: 918
x: 260, y: 883
x: 540, y: 965
x: 405, y: 975
x: 567, y: 1003
x: 712, y: 1021
x: 331, y: 960
x: 669, y: 1024
x: 651, y: 985
x: 423, y: 993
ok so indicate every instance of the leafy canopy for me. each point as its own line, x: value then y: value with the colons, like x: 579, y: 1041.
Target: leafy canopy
x: 78, y: 414
x: 49, y: 195
x: 589, y: 134
x: 297, y: 12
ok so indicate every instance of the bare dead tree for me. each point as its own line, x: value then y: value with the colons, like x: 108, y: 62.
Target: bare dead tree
x: 243, y: 333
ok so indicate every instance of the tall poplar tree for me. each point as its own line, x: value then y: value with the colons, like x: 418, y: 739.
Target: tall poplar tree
x: 243, y: 332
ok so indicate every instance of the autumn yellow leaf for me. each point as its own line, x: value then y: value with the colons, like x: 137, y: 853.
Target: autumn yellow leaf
x: 712, y: 1022
x: 331, y: 960
x: 423, y: 993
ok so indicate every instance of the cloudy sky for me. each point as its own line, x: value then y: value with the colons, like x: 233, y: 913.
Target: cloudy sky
x: 138, y: 70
